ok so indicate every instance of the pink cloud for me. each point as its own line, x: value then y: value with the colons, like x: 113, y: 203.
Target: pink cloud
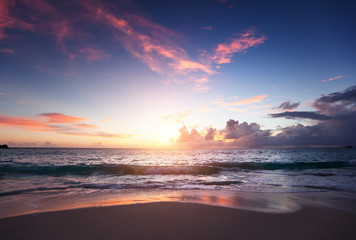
x: 61, y: 118
x: 97, y: 134
x: 149, y: 42
x: 331, y: 79
x: 28, y: 123
x: 85, y: 126
x: 36, y: 16
x: 209, y: 28
x: 8, y: 22
x: 93, y: 54
x: 43, y: 69
x: 6, y: 50
x: 200, y: 84
x: 69, y: 125
x: 255, y: 99
x: 153, y: 44
x: 225, y: 51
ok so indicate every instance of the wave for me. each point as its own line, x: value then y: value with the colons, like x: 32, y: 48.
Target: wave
x: 283, y: 165
x: 222, y: 183
x: 22, y: 191
x: 109, y: 169
x: 208, y: 169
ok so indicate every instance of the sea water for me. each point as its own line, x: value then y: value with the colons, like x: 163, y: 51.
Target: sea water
x: 97, y: 174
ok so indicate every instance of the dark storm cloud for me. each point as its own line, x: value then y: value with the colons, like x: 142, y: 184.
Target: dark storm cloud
x: 300, y: 135
x: 333, y: 106
x: 336, y: 113
x: 338, y: 104
x: 294, y: 115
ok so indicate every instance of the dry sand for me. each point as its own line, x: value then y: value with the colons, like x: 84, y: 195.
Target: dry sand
x: 168, y: 220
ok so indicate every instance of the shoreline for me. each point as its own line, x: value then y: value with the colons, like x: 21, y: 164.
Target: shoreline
x: 264, y: 202
x: 177, y: 220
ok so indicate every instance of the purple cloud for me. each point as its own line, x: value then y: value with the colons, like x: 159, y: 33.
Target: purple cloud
x: 288, y: 105
x: 335, y: 113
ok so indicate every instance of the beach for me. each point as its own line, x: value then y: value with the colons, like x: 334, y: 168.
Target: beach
x: 178, y: 194
x: 173, y: 220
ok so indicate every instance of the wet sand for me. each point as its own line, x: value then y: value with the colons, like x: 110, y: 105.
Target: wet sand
x: 172, y: 220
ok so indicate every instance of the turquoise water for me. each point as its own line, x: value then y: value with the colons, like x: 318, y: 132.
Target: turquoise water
x: 26, y: 170
x: 268, y: 180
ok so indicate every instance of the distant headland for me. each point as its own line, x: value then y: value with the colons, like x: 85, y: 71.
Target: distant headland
x: 4, y: 146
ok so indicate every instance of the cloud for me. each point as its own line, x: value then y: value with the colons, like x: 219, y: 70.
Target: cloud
x: 31, y: 144
x: 151, y: 43
x: 300, y: 135
x: 85, y: 126
x: 338, y: 104
x: 57, y: 123
x: 233, y: 135
x: 93, y: 54
x: 336, y: 116
x: 225, y: 51
x: 180, y: 117
x: 234, y: 130
x: 200, y: 84
x: 334, y: 106
x: 336, y: 113
x: 37, y: 16
x: 185, y: 136
x: 295, y: 115
x: 331, y: 79
x: 43, y: 69
x: 288, y: 105
x: 48, y: 145
x: 7, y: 50
x: 22, y: 144
x: 210, y: 134
x: 7, y: 21
x: 155, y: 46
x: 244, y: 134
x: 255, y: 99
x: 97, y: 134
x: 209, y: 28
x: 61, y: 118
x: 195, y: 139
x: 1, y: 93
x: 24, y: 122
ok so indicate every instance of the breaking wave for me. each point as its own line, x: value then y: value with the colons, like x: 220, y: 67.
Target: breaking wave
x: 208, y: 169
x: 110, y: 169
x: 284, y: 165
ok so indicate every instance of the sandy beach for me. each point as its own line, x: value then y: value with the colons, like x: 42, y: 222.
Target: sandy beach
x: 170, y: 220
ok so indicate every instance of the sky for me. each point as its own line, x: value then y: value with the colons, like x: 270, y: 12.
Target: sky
x: 204, y: 74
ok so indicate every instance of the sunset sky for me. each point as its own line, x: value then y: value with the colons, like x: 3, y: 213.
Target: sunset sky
x: 214, y: 73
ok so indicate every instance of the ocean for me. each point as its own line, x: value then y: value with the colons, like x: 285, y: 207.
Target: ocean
x: 34, y: 179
